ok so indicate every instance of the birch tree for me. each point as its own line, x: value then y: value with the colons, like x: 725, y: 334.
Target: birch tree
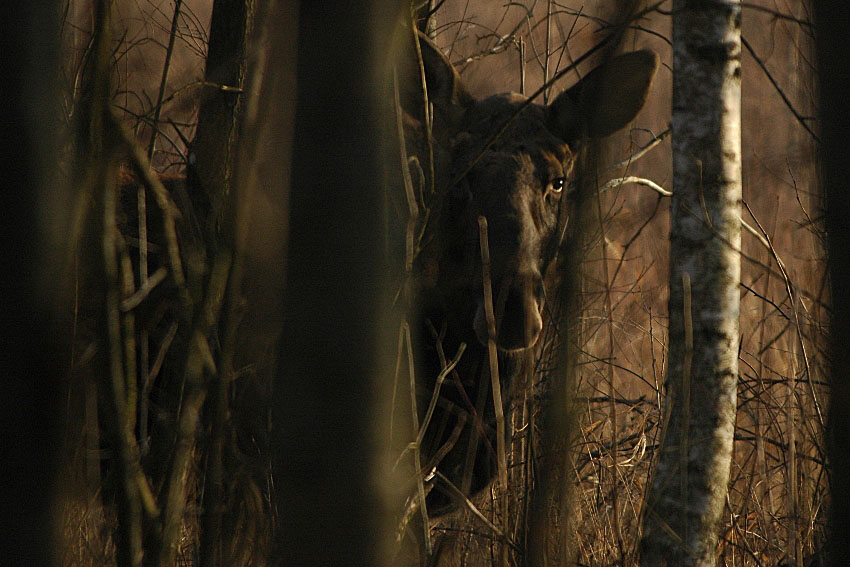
x: 688, y: 488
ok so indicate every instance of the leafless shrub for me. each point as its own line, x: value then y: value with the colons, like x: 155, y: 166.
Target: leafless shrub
x: 777, y: 492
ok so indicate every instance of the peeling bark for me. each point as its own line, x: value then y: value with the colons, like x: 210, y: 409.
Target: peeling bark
x: 688, y: 489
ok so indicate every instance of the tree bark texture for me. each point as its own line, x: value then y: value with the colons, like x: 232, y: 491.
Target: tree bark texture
x: 688, y: 488
x: 212, y: 185
x: 833, y: 46
x: 214, y: 147
x: 327, y: 472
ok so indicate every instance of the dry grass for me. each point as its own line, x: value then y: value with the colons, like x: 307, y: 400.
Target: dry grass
x: 777, y: 492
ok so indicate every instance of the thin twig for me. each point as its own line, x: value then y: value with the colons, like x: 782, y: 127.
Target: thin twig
x: 417, y: 459
x: 495, y: 383
x: 198, y: 359
x: 476, y: 512
x: 448, y: 368
x: 641, y: 152
x: 684, y: 449
x: 164, y: 81
x: 779, y: 90
x: 493, y: 356
x: 148, y: 284
x: 789, y: 289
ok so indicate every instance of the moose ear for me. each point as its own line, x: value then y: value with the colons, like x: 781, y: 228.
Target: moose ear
x: 607, y: 99
x: 445, y: 88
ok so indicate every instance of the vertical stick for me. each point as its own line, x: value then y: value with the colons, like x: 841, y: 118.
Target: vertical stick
x: 165, y: 66
x: 684, y: 449
x: 521, y: 66
x: 494, y: 371
x: 793, y: 545
x: 548, y: 48
x: 417, y: 459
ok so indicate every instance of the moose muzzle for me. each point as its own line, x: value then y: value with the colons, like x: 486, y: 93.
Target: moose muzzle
x: 517, y: 307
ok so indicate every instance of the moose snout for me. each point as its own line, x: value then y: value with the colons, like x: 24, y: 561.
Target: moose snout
x: 517, y: 305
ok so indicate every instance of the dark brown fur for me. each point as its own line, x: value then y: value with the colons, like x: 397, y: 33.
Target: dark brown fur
x: 520, y: 184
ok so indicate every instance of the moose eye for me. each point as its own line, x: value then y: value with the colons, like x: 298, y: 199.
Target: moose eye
x: 558, y: 184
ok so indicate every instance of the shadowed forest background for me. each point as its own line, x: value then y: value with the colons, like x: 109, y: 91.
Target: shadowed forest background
x: 197, y: 404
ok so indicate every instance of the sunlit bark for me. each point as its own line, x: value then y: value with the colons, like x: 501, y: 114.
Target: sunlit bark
x: 689, y: 485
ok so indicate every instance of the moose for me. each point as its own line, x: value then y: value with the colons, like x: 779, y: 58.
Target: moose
x: 509, y: 161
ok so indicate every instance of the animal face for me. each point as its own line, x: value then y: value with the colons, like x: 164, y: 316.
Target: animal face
x: 511, y: 163
x: 518, y: 185
x: 508, y: 161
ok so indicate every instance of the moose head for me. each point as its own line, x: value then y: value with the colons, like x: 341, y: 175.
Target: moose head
x: 511, y: 161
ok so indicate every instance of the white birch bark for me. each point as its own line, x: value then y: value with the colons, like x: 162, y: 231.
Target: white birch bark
x: 688, y: 488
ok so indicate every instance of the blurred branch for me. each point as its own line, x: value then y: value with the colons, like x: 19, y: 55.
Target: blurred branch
x: 199, y: 358
x: 165, y: 67
x: 791, y: 291
x: 779, y: 90
x: 641, y: 152
x: 417, y: 433
x: 746, y: 226
x: 777, y: 15
x: 832, y: 45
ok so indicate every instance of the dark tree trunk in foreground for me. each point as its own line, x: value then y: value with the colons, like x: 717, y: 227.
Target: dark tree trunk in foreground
x: 214, y: 196
x: 30, y: 263
x: 326, y: 394
x: 833, y: 47
x: 689, y: 484
x: 214, y: 147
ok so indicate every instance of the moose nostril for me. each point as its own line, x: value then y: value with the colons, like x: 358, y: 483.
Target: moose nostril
x: 517, y: 310
x: 520, y: 323
x: 515, y: 300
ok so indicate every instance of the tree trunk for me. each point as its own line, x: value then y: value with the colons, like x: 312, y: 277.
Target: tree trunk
x: 98, y: 149
x: 34, y: 235
x: 329, y: 383
x: 688, y: 488
x: 214, y: 150
x: 425, y: 20
x: 833, y: 45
